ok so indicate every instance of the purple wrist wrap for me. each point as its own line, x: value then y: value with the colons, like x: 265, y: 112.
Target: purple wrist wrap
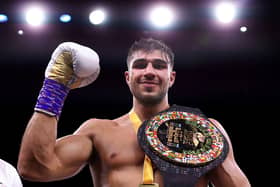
x: 51, y: 98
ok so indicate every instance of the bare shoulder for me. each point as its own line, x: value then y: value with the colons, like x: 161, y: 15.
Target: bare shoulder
x: 221, y: 128
x: 122, y: 120
x: 223, y: 131
x: 94, y: 125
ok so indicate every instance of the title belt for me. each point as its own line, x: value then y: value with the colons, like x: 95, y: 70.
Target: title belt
x: 183, y: 144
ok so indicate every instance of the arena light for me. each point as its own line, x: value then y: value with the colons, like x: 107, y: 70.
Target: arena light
x: 35, y: 16
x: 243, y: 29
x: 97, y: 17
x: 20, y: 32
x: 3, y: 18
x: 161, y: 16
x: 65, y: 18
x: 225, y: 12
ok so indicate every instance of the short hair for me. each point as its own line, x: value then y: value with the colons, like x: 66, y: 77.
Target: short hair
x: 149, y: 45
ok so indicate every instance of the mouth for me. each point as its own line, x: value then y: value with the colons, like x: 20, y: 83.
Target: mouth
x: 149, y: 83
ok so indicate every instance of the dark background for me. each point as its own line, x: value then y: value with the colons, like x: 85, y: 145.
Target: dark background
x: 231, y: 76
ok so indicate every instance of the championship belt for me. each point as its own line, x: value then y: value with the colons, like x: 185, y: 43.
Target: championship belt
x: 183, y: 144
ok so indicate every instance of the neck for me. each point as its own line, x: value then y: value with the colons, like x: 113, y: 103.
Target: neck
x: 145, y: 112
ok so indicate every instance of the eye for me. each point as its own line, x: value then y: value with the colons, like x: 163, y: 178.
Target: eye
x: 139, y: 64
x: 159, y: 64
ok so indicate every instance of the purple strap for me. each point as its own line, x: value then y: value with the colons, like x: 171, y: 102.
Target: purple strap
x: 51, y: 98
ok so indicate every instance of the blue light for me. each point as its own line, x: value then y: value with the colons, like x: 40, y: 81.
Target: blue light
x: 3, y: 18
x: 65, y: 18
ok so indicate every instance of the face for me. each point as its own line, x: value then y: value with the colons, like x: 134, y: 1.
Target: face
x: 149, y: 76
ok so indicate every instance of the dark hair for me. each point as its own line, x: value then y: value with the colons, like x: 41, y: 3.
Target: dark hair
x: 148, y: 45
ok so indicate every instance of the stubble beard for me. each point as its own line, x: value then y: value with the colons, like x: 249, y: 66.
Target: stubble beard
x: 149, y: 100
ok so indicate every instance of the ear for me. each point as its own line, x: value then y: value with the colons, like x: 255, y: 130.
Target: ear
x: 172, y: 78
x: 126, y: 75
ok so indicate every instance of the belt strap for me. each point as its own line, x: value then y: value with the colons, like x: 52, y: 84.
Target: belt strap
x: 148, y: 176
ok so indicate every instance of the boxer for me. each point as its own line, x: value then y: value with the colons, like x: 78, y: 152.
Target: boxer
x: 111, y: 148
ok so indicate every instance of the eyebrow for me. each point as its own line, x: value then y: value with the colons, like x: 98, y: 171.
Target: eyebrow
x: 151, y: 59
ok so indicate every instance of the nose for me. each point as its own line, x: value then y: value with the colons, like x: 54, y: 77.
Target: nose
x: 149, y: 71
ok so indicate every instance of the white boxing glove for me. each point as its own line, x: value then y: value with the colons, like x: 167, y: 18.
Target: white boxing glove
x: 71, y: 66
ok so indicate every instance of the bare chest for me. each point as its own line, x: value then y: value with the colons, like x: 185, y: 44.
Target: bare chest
x: 118, y: 146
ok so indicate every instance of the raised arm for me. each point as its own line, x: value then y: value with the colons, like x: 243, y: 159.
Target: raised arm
x: 42, y: 156
x: 228, y: 173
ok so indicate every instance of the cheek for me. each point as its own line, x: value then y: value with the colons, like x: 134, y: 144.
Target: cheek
x: 166, y: 79
x: 131, y: 78
x: 134, y: 76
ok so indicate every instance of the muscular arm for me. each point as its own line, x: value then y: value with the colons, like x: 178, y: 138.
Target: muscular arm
x: 228, y: 173
x: 43, y: 157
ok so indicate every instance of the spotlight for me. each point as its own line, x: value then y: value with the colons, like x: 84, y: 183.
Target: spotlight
x: 20, y: 32
x: 243, y: 29
x: 65, y: 18
x: 35, y: 16
x: 97, y: 17
x: 3, y: 18
x: 225, y: 12
x: 161, y: 16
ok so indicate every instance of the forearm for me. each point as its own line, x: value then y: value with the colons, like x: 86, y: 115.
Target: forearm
x: 38, y: 145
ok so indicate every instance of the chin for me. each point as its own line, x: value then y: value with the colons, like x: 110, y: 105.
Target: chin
x: 150, y: 99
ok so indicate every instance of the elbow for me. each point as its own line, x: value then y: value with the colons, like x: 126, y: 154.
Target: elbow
x: 246, y: 182
x: 24, y: 165
x: 32, y: 170
x: 24, y: 171
x: 28, y: 170
x: 24, y: 174
x: 31, y: 174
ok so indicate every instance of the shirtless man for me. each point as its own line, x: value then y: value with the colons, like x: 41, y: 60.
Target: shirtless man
x: 110, y: 147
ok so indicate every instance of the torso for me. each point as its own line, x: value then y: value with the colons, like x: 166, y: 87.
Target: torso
x: 117, y: 160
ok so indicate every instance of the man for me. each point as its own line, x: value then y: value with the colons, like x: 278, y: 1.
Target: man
x: 8, y: 175
x: 110, y: 147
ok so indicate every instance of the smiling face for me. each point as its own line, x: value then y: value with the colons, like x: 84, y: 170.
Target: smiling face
x: 149, y: 76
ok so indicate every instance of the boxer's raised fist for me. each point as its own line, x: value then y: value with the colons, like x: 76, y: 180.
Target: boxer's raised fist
x: 73, y: 65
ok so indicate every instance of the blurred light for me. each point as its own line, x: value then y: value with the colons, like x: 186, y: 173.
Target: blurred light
x: 225, y: 12
x: 161, y: 16
x: 65, y: 18
x: 20, y: 32
x: 35, y: 16
x: 97, y: 17
x: 3, y: 18
x: 243, y: 29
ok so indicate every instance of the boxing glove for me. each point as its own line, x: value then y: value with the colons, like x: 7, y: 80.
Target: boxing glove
x: 71, y: 66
